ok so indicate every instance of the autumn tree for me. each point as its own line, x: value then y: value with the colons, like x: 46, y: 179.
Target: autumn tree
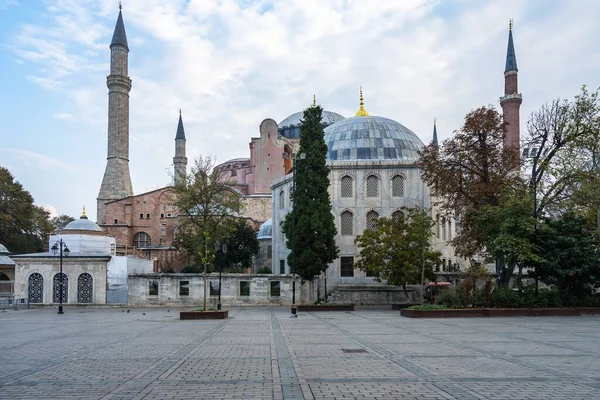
x: 397, y: 250
x: 310, y: 228
x: 24, y: 227
x: 469, y: 171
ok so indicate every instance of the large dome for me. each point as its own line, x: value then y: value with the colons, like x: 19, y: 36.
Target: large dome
x: 266, y: 230
x: 290, y: 127
x: 371, y: 138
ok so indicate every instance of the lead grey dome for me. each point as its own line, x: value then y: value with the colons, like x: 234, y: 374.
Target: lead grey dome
x: 3, y: 249
x: 290, y: 127
x: 371, y: 138
x: 82, y: 224
x: 266, y: 230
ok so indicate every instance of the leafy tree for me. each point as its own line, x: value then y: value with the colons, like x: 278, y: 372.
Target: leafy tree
x: 472, y: 170
x: 60, y: 221
x: 242, y: 244
x: 397, y: 249
x: 568, y: 248
x: 314, y: 224
x: 208, y: 208
x: 563, y: 153
x: 24, y: 227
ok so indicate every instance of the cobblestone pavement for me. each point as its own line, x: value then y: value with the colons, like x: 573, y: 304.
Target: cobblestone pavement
x: 262, y: 353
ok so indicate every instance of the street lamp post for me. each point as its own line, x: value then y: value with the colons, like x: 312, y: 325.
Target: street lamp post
x: 223, y: 248
x: 293, y: 157
x: 61, y: 248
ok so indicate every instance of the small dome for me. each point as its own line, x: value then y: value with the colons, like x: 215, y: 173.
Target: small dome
x: 371, y: 138
x: 4, y: 250
x: 290, y: 127
x: 266, y: 230
x: 82, y: 224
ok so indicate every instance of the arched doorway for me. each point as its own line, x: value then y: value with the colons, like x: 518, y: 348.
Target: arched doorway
x: 36, y: 288
x: 85, y: 288
x: 57, y: 288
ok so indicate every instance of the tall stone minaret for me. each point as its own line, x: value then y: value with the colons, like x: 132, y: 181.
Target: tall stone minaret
x: 511, y: 101
x: 116, y: 183
x: 434, y: 140
x: 180, y: 160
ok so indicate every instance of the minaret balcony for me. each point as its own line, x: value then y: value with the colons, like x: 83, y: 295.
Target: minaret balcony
x: 511, y: 96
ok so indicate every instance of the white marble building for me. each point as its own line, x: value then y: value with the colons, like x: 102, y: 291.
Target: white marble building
x: 373, y: 173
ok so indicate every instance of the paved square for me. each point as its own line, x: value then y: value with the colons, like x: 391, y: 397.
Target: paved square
x: 262, y: 353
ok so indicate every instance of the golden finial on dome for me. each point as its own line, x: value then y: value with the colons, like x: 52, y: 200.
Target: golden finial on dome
x: 510, y: 24
x: 83, y: 213
x: 361, y: 111
x: 314, y: 100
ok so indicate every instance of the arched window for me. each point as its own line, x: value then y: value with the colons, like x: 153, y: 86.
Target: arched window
x: 36, y: 288
x: 398, y: 186
x: 346, y: 186
x: 4, y: 277
x: 60, y: 284
x: 397, y: 214
x: 347, y: 223
x: 269, y: 251
x: 85, y: 288
x: 372, y: 186
x: 281, y: 200
x: 372, y: 217
x: 449, y: 229
x: 141, y: 239
x: 437, y: 226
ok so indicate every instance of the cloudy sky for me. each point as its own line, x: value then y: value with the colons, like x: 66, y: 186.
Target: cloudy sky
x: 229, y: 64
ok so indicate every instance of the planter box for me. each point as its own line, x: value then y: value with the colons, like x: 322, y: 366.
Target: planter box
x: 326, y: 307
x: 186, y: 315
x: 500, y: 312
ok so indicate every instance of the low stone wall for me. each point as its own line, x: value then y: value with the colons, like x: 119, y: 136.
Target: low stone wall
x: 160, y: 289
x: 374, y: 295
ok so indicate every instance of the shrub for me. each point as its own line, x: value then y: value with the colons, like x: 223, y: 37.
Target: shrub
x: 191, y: 269
x: 451, y: 299
x: 264, y: 270
x: 507, y: 298
x: 427, y: 307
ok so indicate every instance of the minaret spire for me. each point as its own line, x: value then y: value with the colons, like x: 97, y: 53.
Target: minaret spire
x: 180, y: 160
x: 512, y: 99
x: 116, y: 183
x: 361, y: 111
x: 434, y: 141
x: 314, y: 104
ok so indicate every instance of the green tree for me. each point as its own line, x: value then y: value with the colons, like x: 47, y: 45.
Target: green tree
x: 242, y: 244
x: 314, y: 225
x: 208, y: 208
x: 60, y: 221
x: 397, y: 250
x: 24, y: 227
x: 568, y: 247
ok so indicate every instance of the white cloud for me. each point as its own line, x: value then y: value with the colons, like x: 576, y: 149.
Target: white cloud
x: 51, y: 209
x: 36, y: 160
x: 230, y: 64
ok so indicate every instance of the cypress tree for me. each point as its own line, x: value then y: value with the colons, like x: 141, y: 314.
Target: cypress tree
x: 314, y: 223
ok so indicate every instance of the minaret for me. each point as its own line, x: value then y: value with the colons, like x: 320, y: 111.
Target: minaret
x: 116, y: 183
x: 434, y: 141
x: 511, y: 101
x: 180, y: 160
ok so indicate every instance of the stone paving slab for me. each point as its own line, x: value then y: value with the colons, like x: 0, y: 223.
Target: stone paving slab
x: 262, y: 353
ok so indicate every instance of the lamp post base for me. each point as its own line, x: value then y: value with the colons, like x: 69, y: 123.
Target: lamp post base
x: 219, y: 306
x: 60, y: 310
x: 294, y: 311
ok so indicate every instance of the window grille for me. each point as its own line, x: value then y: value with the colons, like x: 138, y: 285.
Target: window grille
x: 184, y: 288
x: 275, y: 289
x: 60, y: 285
x: 153, y: 288
x: 85, y: 288
x: 372, y: 186
x: 398, y: 186
x: 141, y: 239
x: 396, y: 215
x: 372, y: 217
x: 213, y: 288
x: 244, y: 288
x: 346, y: 186
x: 347, y: 266
x: 36, y: 288
x: 347, y: 222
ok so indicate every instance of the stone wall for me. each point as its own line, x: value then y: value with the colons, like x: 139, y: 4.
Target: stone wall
x: 173, y: 290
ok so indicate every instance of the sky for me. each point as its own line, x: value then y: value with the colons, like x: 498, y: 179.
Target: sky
x: 230, y: 64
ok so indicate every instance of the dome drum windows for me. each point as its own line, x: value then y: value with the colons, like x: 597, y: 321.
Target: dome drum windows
x: 398, y: 186
x: 372, y: 186
x: 346, y: 187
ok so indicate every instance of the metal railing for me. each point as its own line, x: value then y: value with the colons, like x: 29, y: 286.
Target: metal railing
x: 13, y: 304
